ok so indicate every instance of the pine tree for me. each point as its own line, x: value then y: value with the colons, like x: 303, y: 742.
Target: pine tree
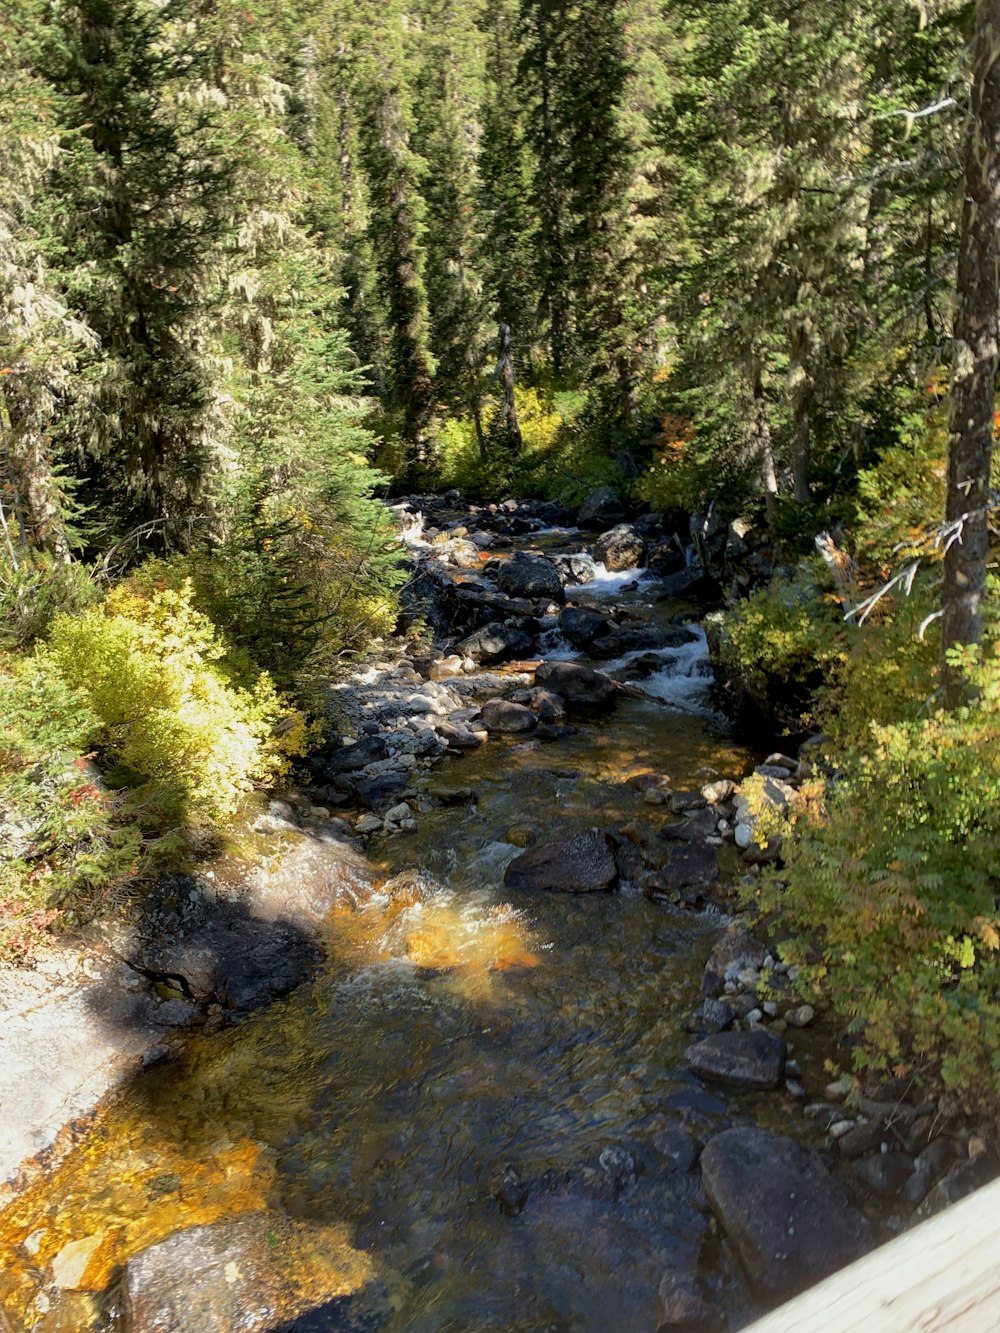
x: 41, y: 341
x: 148, y: 183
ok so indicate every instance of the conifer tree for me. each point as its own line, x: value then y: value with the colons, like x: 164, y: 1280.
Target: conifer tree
x: 149, y: 183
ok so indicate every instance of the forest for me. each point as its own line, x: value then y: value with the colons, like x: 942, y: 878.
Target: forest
x: 266, y: 266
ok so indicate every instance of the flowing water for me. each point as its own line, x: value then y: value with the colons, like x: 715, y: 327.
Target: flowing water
x: 455, y: 1032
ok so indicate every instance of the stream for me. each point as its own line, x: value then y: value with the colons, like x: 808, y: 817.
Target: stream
x: 485, y: 1092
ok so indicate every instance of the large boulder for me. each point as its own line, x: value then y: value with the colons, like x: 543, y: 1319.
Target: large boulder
x: 581, y: 625
x: 500, y: 715
x: 751, y: 1061
x: 329, y: 762
x: 253, y: 1274
x: 581, y: 687
x: 788, y: 1219
x: 495, y: 643
x: 526, y: 575
x: 620, y: 548
x: 688, y: 871
x: 573, y: 863
x: 601, y: 510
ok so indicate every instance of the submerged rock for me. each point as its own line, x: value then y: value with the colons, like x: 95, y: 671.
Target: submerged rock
x: 573, y: 863
x: 250, y: 1275
x: 790, y: 1221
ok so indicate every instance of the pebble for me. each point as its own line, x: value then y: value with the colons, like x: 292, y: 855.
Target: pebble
x: 837, y: 1092
x: 839, y: 1128
x: 801, y: 1016
x: 368, y: 824
x: 770, y: 1008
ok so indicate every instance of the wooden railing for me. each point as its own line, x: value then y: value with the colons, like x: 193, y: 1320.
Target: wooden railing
x: 942, y: 1275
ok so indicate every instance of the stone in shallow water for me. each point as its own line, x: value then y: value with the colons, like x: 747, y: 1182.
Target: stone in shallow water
x: 749, y: 1060
x: 500, y: 715
x: 579, y: 686
x: 250, y: 1275
x: 573, y: 863
x: 789, y: 1220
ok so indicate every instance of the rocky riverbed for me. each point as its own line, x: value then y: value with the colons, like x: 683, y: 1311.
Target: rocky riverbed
x: 531, y: 1072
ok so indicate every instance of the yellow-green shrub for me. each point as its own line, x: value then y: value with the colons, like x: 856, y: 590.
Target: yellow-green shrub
x: 150, y: 666
x: 889, y: 892
x: 62, y: 846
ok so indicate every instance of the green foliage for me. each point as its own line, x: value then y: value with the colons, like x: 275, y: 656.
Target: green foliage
x: 786, y: 637
x: 889, y: 888
x: 564, y: 453
x: 34, y: 590
x: 184, y: 735
x: 62, y: 847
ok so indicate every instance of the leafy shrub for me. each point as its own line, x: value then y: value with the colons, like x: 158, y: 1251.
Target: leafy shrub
x: 501, y: 472
x: 34, y: 590
x: 890, y: 890
x: 61, y: 845
x: 786, y: 636
x: 151, y: 667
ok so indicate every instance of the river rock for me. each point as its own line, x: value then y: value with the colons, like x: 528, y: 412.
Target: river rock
x: 254, y: 1274
x: 580, y: 686
x: 620, y: 548
x: 684, y: 1305
x: 456, y: 737
x: 581, y: 625
x: 688, y: 866
x: 526, y: 575
x: 549, y: 706
x: 789, y: 1220
x: 495, y: 642
x: 749, y: 1060
x: 617, y: 644
x: 500, y: 715
x: 601, y: 509
x: 329, y: 763
x: 572, y: 863
x: 734, y: 951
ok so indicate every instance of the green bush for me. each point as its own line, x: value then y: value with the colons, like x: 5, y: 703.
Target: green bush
x: 181, y: 730
x: 786, y: 636
x: 34, y: 590
x: 889, y: 888
x: 62, y: 847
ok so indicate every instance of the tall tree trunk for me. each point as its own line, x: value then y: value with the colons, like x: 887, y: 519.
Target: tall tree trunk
x: 505, y: 374
x: 801, y: 386
x: 973, y: 393
x: 762, y: 439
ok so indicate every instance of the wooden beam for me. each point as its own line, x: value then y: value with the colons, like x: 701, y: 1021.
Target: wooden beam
x: 942, y: 1275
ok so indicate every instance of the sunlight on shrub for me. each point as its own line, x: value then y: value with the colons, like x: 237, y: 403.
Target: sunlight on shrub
x: 150, y: 667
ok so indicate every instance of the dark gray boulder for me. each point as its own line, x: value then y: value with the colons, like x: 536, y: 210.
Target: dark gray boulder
x: 495, y: 642
x: 581, y: 687
x: 526, y: 575
x: 752, y: 1061
x: 581, y: 625
x: 789, y: 1220
x: 500, y: 715
x: 574, y: 863
x: 601, y: 510
x: 328, y: 763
